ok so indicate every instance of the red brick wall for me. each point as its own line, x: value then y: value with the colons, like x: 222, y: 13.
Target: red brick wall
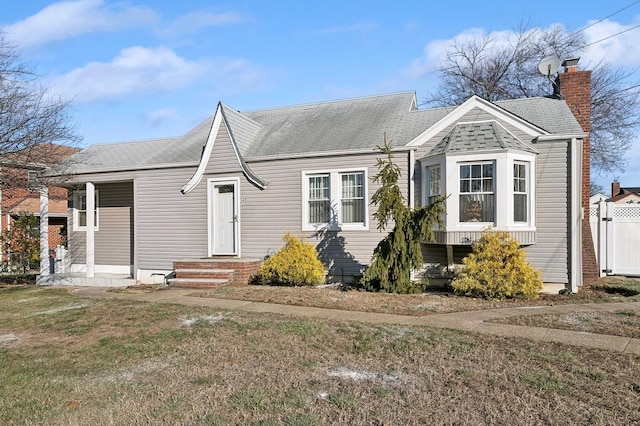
x: 575, y: 86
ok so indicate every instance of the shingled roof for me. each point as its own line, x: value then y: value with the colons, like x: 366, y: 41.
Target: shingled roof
x: 350, y: 125
x: 474, y: 137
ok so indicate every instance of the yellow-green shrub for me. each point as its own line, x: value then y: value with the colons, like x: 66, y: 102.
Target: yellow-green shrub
x: 295, y: 264
x: 497, y: 268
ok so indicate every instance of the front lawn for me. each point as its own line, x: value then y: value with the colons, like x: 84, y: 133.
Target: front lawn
x: 68, y: 360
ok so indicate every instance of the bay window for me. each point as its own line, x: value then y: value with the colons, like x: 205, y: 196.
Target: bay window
x: 482, y: 189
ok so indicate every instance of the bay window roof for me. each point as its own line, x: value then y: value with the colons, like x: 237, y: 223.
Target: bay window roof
x: 478, y: 136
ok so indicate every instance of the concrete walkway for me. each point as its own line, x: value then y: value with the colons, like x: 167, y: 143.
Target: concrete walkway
x: 474, y: 321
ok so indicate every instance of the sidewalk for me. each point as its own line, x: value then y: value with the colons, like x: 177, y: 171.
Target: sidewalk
x: 474, y: 321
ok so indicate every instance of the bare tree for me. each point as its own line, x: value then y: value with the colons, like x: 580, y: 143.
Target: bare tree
x: 499, y: 69
x: 35, y: 125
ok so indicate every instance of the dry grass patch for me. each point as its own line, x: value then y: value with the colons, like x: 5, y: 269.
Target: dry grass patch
x: 143, y: 363
x: 625, y: 323
x: 431, y: 302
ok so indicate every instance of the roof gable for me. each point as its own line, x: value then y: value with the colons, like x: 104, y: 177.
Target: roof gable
x: 218, y: 119
x: 476, y: 102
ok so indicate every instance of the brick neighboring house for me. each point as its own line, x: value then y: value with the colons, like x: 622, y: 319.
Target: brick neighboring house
x: 20, y: 190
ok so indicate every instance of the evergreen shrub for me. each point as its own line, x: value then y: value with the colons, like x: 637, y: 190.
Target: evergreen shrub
x: 497, y: 268
x: 295, y: 264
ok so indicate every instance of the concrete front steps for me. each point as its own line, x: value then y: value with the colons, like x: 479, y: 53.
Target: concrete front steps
x: 212, y: 272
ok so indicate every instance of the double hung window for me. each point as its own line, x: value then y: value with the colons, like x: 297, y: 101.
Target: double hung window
x: 80, y: 211
x: 477, y: 202
x: 435, y: 189
x: 520, y: 192
x: 335, y: 199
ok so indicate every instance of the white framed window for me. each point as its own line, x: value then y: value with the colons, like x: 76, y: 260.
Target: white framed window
x: 335, y: 199
x: 80, y: 211
x: 477, y: 202
x: 319, y: 199
x: 352, y: 197
x: 520, y: 192
x: 434, y: 185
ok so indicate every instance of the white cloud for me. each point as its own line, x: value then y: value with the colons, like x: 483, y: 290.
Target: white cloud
x: 196, y: 21
x: 619, y: 50
x: 138, y: 70
x: 434, y: 52
x: 71, y: 18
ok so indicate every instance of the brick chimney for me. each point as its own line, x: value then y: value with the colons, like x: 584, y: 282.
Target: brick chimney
x: 615, y: 188
x: 574, y: 86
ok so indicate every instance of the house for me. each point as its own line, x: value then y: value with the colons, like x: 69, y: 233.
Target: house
x: 20, y: 188
x: 628, y: 195
x: 231, y: 187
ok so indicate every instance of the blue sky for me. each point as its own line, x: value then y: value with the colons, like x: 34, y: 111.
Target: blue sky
x: 144, y: 69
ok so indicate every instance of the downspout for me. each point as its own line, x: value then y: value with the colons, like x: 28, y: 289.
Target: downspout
x: 577, y: 213
x: 412, y: 191
x: 412, y: 180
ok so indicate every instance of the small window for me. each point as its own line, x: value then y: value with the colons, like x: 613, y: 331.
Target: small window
x: 434, y: 184
x: 319, y: 199
x: 477, y: 192
x: 352, y: 197
x: 520, y: 192
x: 80, y: 211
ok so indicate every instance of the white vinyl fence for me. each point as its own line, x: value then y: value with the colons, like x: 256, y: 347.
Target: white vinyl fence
x: 615, y: 229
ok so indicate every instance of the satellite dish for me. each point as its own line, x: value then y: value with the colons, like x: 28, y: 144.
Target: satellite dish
x: 549, y: 65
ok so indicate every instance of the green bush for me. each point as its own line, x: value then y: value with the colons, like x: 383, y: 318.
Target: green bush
x: 296, y: 264
x: 497, y: 268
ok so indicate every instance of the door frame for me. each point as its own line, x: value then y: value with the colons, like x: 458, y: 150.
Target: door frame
x: 212, y: 183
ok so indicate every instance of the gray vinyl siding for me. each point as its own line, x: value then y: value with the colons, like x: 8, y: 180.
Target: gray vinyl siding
x: 114, y: 237
x: 436, y: 254
x: 170, y: 225
x: 167, y: 225
x: 223, y: 158
x: 550, y: 254
x: 267, y: 214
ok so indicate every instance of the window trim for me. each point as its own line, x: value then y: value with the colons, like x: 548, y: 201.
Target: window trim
x: 76, y: 211
x: 441, y: 182
x: 335, y: 196
x: 494, y: 188
x: 526, y: 192
x: 503, y: 188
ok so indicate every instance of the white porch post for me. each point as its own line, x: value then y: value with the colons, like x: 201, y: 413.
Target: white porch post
x: 44, y: 231
x: 90, y: 235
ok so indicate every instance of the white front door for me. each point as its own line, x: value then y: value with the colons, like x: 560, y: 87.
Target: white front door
x: 224, y: 217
